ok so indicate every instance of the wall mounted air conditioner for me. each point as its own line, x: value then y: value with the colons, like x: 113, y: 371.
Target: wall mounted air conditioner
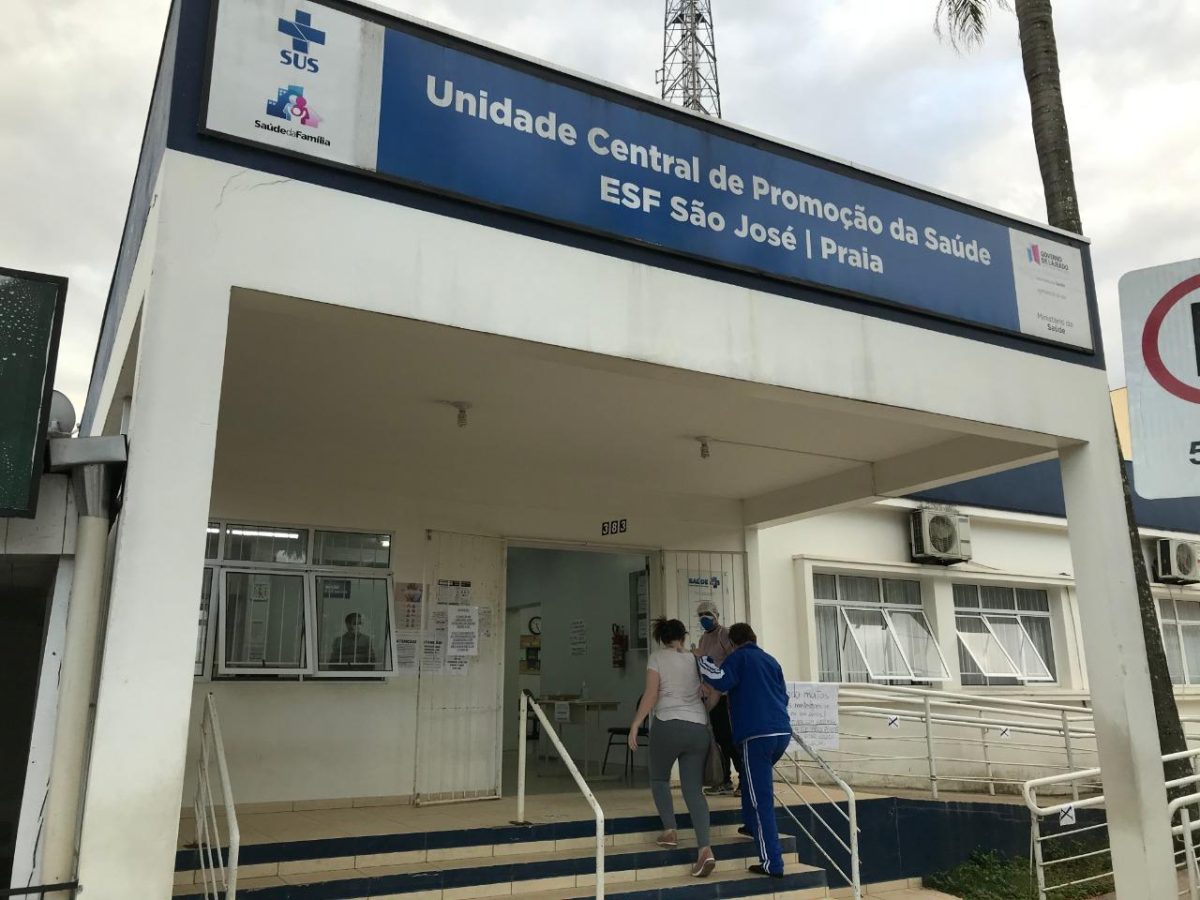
x: 940, y: 536
x: 1177, y: 562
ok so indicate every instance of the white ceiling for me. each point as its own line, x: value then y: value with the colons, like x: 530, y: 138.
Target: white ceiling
x: 359, y: 397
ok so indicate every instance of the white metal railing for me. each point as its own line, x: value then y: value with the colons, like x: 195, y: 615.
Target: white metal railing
x: 1069, y: 827
x: 849, y: 814
x: 968, y: 741
x: 527, y: 703
x: 218, y: 866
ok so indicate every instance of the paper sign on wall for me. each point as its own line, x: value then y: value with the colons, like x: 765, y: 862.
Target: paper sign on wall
x: 813, y: 711
x: 462, y: 635
x: 562, y: 712
x: 433, y: 655
x: 407, y: 606
x: 458, y: 665
x: 453, y: 593
x: 408, y: 647
x: 577, y: 637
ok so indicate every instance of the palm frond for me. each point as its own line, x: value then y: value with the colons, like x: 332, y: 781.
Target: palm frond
x: 964, y: 22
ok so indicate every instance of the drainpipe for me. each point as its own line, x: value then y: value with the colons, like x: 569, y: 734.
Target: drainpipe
x: 96, y: 465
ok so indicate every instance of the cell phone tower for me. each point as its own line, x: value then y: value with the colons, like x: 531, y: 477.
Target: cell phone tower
x: 689, y: 69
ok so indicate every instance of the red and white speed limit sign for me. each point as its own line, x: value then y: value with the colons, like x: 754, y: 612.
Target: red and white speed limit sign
x: 1160, y: 318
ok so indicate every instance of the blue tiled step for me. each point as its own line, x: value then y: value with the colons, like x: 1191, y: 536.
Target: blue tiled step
x: 626, y: 865
x: 436, y: 843
x: 718, y: 885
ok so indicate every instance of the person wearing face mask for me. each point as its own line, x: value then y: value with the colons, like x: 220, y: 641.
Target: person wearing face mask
x: 715, y: 644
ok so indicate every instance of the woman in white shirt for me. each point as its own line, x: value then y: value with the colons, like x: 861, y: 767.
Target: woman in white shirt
x: 679, y: 733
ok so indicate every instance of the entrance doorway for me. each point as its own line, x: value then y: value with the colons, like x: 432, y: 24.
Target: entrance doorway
x: 26, y: 584
x: 576, y: 632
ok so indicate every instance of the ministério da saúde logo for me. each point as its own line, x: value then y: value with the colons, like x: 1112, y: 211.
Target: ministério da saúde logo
x: 291, y: 105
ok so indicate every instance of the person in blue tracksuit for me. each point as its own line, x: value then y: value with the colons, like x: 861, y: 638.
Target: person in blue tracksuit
x: 758, y: 706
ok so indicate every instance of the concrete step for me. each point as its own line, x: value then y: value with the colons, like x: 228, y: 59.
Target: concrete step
x: 538, y: 869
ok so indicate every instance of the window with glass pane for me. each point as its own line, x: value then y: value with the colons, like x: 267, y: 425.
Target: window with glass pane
x: 205, y: 607
x: 838, y: 657
x: 983, y: 648
x: 353, y: 625
x: 856, y: 589
x: 346, y: 548
x: 266, y: 544
x: 263, y: 614
x: 873, y: 628
x: 903, y: 592
x: 212, y: 541
x: 876, y: 642
x: 1019, y: 647
x: 1004, y: 634
x: 920, y: 649
x: 824, y: 586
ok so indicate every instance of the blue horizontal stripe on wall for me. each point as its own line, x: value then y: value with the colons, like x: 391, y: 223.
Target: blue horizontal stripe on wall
x: 1038, y: 489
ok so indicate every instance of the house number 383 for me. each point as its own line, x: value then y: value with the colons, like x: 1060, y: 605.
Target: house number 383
x: 614, y: 526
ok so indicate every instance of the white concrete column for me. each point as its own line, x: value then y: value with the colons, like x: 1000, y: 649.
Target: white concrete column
x: 132, y: 799
x: 938, y: 596
x: 1117, y: 669
x: 808, y: 653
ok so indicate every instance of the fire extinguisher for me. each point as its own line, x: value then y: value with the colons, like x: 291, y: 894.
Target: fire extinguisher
x: 620, y: 645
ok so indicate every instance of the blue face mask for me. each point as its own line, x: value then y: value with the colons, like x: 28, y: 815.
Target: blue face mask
x: 708, y: 623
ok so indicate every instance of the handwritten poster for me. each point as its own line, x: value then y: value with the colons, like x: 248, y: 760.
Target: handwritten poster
x: 813, y: 711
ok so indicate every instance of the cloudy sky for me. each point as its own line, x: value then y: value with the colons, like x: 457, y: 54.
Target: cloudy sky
x: 864, y: 80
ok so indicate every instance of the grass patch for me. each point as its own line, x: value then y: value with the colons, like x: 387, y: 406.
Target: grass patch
x: 992, y: 876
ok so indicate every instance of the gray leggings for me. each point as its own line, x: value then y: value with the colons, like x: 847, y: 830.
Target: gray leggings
x: 670, y: 740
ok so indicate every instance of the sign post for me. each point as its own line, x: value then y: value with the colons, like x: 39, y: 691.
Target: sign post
x: 31, y: 311
x: 1160, y: 318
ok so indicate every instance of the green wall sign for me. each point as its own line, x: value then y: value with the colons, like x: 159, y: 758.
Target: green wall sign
x: 31, y: 310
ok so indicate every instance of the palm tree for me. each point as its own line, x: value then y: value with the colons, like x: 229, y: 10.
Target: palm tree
x: 965, y: 21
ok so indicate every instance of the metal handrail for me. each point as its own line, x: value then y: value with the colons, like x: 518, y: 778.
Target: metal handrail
x: 1176, y: 807
x: 218, y: 865
x: 850, y: 815
x: 527, y: 702
x: 957, y: 736
x: 41, y: 889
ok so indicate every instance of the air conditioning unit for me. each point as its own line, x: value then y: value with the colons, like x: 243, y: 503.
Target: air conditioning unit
x: 1177, y: 562
x: 940, y: 536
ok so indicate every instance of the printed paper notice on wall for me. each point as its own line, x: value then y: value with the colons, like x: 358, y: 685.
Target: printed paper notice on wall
x: 462, y: 635
x: 407, y: 606
x: 453, y: 593
x: 813, y: 711
x: 562, y: 712
x: 433, y: 655
x: 408, y: 647
x: 577, y: 638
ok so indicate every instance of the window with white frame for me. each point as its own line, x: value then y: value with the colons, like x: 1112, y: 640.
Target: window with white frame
x: 1004, y: 635
x: 874, y: 629
x: 1180, y: 623
x: 283, y: 601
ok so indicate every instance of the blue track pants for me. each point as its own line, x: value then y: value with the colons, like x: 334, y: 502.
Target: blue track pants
x: 759, y: 755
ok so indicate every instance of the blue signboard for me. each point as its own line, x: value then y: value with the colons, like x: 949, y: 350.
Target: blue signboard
x: 501, y: 132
